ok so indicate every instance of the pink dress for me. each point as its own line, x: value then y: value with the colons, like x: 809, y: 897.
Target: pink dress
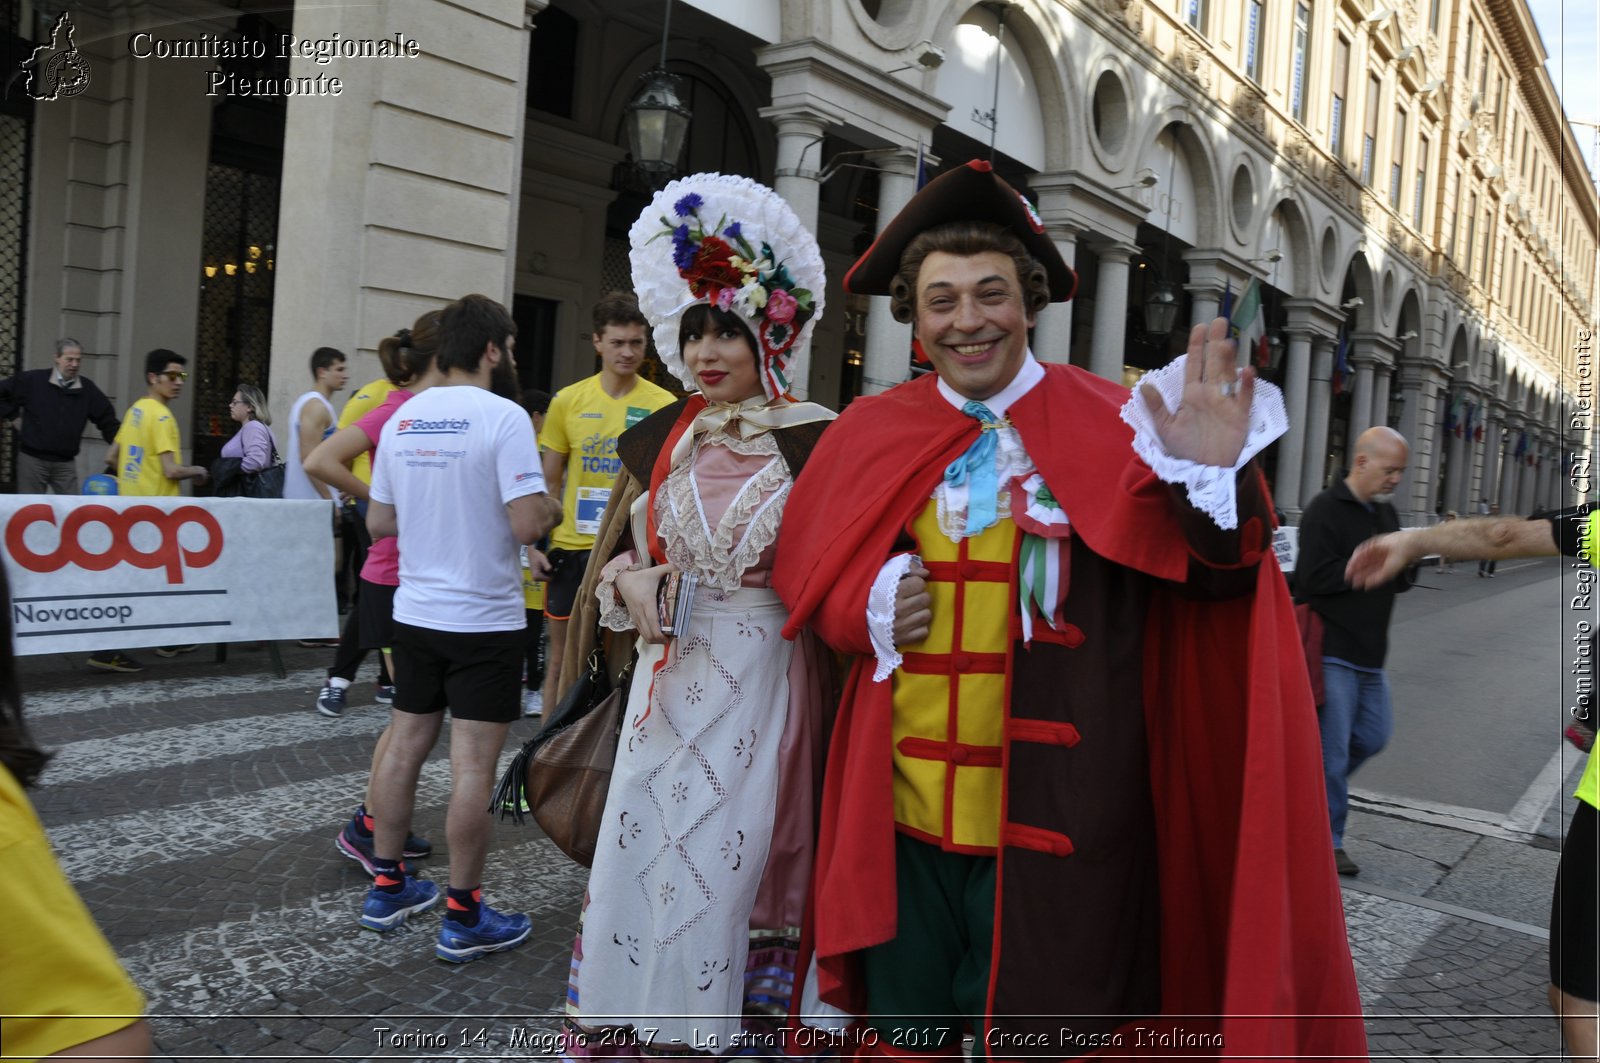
x: 700, y: 878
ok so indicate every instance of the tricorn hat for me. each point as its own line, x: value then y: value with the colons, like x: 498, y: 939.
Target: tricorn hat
x: 973, y: 192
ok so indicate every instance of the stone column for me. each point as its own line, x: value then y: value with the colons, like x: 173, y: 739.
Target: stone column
x: 1381, y: 382
x: 401, y: 194
x: 1492, y: 439
x: 1528, y: 491
x: 1314, y: 467
x: 1211, y: 274
x: 1052, y: 333
x: 1455, y: 486
x: 1292, y: 449
x: 1546, y: 497
x: 1511, y: 468
x: 1107, y: 354
x: 1413, y: 497
x: 800, y: 131
x: 888, y: 342
x: 1360, y: 405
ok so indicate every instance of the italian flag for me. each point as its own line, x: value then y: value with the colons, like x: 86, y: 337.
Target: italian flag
x: 1249, y: 325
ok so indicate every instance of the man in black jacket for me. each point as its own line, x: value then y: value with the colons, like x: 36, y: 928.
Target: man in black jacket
x: 54, y: 404
x: 1357, y: 716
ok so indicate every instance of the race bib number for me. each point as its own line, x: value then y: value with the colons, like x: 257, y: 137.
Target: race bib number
x: 591, y: 507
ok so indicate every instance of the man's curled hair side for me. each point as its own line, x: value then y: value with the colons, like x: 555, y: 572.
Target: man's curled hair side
x: 965, y: 238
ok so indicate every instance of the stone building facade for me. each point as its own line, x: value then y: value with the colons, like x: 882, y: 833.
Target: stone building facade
x: 1401, y: 181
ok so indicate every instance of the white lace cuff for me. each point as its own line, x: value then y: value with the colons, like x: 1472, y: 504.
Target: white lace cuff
x: 880, y: 613
x: 1211, y: 487
x: 613, y: 614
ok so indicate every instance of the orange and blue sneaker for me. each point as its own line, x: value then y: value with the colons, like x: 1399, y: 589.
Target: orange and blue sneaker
x: 384, y: 909
x: 494, y: 932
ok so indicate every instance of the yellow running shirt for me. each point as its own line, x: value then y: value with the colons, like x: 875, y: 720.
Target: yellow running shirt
x: 584, y: 423
x: 364, y: 401
x: 148, y: 431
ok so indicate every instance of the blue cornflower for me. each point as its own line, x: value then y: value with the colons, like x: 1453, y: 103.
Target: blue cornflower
x: 733, y: 231
x: 682, y: 249
x: 688, y: 204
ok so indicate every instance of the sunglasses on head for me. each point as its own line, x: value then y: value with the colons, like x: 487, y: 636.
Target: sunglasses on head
x: 174, y: 374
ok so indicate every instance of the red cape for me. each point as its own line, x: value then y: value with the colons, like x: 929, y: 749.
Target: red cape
x: 1252, y: 925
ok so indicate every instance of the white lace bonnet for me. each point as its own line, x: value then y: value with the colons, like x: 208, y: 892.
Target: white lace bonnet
x: 736, y: 244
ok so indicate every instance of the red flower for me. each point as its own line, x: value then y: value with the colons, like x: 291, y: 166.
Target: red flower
x: 711, y: 268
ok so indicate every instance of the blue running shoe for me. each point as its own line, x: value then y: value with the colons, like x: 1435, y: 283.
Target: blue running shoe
x: 494, y: 933
x: 384, y: 911
x: 352, y: 844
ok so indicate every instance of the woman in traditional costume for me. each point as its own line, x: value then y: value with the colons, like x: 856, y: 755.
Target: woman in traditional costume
x: 691, y: 934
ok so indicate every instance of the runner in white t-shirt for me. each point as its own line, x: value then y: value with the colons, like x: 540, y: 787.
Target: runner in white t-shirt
x: 457, y: 478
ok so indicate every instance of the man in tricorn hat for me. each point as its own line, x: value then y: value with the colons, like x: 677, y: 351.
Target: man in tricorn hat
x: 1072, y: 796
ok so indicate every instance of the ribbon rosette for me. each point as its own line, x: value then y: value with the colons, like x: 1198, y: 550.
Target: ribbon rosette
x: 1044, y: 558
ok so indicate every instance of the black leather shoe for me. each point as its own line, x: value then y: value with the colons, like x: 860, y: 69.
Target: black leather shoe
x: 1345, y: 865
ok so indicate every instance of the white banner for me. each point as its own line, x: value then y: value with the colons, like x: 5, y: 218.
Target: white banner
x: 101, y: 572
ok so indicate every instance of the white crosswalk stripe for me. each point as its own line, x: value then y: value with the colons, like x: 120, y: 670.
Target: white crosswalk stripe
x: 146, y: 692
x: 91, y: 849
x: 169, y: 747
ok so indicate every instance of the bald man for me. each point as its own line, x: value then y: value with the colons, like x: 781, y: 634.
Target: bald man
x: 1357, y: 717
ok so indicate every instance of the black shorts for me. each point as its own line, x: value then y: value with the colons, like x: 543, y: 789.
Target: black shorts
x: 375, y: 612
x: 1575, y: 910
x: 478, y: 674
x: 566, y: 572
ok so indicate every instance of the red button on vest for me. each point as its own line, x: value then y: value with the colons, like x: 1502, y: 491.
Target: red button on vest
x: 962, y: 662
x: 958, y: 756
x: 970, y: 569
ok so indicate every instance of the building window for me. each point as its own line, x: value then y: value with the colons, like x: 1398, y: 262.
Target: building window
x: 1195, y: 13
x: 1433, y: 16
x: 1341, y: 91
x: 1302, y: 59
x: 1488, y: 242
x: 1472, y: 36
x: 1397, y: 159
x: 1422, y: 182
x: 553, y: 63
x: 1369, y: 136
x: 1472, y: 232
x: 1252, y: 40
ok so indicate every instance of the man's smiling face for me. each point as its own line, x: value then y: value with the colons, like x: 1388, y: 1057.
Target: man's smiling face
x: 972, y: 320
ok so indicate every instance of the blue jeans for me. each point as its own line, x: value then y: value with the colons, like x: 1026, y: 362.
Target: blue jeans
x: 1356, y: 722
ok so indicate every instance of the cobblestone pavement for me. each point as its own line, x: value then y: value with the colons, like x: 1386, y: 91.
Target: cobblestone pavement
x: 195, y: 807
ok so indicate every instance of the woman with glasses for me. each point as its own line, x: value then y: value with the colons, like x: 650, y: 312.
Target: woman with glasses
x: 252, y: 444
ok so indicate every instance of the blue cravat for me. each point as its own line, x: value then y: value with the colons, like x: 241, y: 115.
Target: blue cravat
x: 976, y: 468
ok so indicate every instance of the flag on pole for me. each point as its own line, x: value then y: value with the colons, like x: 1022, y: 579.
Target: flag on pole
x: 1248, y: 324
x: 1227, y: 299
x: 1341, y: 363
x: 1452, y: 417
x: 922, y: 166
x: 1467, y: 428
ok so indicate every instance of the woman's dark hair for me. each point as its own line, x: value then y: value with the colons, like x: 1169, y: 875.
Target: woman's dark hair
x: 410, y: 352
x: 535, y: 400
x: 17, y: 750
x: 703, y: 317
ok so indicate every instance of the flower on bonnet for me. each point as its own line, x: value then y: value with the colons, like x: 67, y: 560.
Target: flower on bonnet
x: 726, y: 270
x: 781, y: 306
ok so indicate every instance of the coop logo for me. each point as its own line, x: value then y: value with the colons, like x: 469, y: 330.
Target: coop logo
x: 448, y: 426
x: 165, y: 553
x: 57, y: 70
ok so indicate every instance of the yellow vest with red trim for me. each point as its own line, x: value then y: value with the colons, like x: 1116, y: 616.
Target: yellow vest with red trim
x: 951, y: 692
